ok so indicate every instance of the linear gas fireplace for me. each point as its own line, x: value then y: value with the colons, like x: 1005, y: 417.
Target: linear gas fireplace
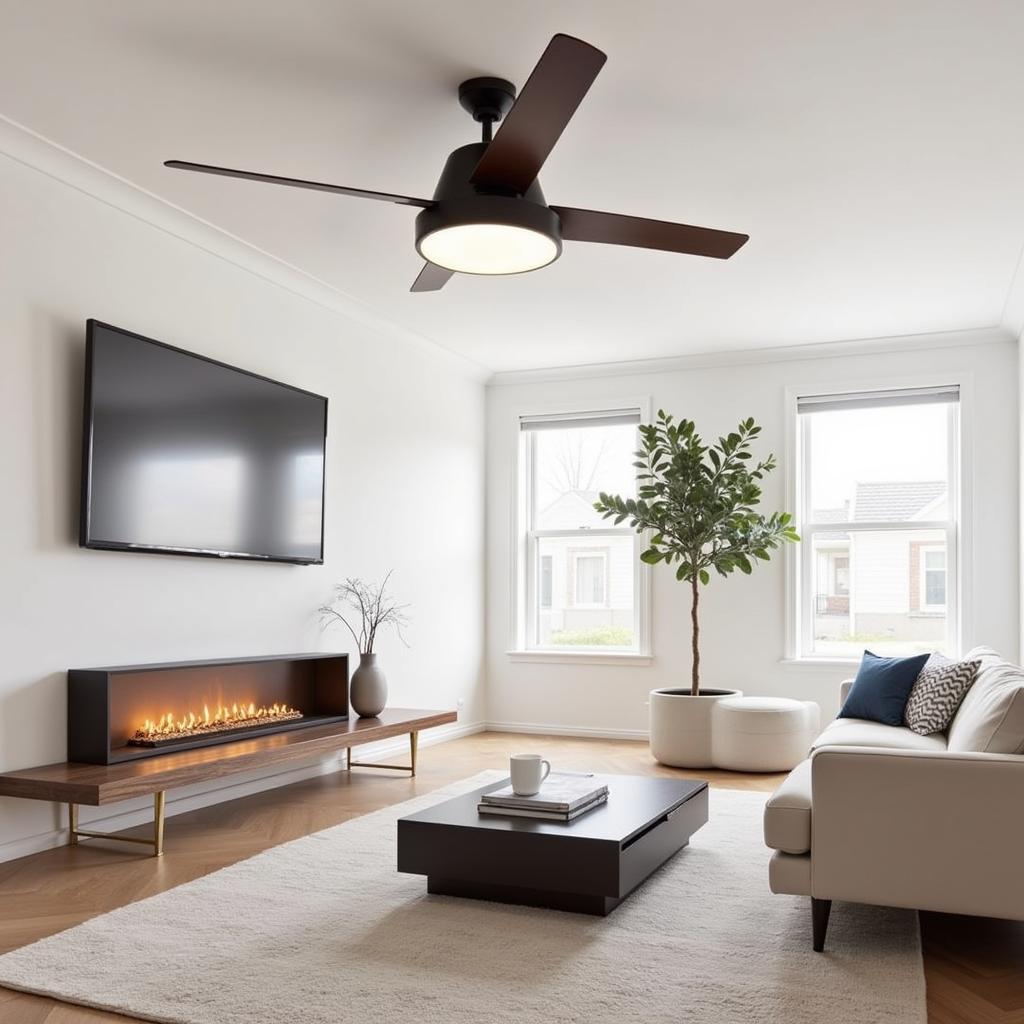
x: 128, y: 712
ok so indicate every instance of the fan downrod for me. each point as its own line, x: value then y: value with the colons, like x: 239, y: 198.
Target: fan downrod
x: 487, y: 100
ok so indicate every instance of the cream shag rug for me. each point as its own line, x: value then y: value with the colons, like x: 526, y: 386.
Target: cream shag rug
x: 323, y: 930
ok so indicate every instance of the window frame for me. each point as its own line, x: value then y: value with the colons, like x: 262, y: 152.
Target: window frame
x: 525, y: 584
x: 959, y: 529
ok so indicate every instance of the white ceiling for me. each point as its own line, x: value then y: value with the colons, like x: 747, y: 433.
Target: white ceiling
x: 872, y: 150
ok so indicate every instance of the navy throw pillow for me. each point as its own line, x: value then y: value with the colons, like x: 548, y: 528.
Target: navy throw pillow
x: 882, y: 688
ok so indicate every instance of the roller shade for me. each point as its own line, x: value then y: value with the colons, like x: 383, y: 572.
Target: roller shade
x: 575, y: 420
x: 943, y: 394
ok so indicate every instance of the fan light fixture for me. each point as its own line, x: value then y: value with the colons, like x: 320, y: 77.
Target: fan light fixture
x: 488, y: 214
x: 489, y: 248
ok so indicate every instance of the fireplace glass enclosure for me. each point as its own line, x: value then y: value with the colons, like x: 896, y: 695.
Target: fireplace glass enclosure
x: 136, y: 711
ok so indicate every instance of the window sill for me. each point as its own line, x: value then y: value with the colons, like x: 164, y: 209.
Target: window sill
x: 580, y: 658
x: 818, y: 663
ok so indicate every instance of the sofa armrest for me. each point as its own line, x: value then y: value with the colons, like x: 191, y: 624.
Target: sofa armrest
x: 932, y: 831
x: 844, y: 690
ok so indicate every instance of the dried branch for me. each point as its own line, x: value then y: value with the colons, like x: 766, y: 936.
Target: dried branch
x: 374, y: 610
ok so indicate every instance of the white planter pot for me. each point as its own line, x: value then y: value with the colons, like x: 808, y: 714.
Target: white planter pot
x: 681, y: 726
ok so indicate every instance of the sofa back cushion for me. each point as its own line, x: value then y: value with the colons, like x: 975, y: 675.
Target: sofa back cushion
x: 991, y: 718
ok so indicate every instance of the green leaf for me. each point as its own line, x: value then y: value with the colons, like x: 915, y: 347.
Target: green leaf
x: 705, y: 578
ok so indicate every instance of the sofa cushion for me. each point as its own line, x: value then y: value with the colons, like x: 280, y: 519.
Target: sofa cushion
x: 790, y: 875
x: 938, y: 692
x: 854, y: 732
x: 787, y: 815
x: 991, y: 717
x: 882, y: 687
x: 981, y: 651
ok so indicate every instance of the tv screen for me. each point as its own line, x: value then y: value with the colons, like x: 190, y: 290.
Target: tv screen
x: 185, y: 455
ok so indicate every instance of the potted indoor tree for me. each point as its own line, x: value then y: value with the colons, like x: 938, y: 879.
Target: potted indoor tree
x: 697, y: 505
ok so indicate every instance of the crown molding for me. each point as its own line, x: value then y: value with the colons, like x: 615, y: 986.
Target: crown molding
x: 747, y: 357
x: 31, y: 149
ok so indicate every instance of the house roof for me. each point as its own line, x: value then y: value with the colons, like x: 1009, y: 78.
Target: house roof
x: 571, y: 510
x: 832, y: 515
x: 894, y: 500
x: 881, y: 501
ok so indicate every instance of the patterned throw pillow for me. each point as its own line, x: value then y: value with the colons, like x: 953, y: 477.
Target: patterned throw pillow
x: 937, y: 694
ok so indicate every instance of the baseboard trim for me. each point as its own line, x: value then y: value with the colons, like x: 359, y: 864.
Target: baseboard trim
x: 141, y: 812
x: 538, y: 729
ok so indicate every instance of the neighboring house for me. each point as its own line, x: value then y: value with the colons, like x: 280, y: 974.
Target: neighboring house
x: 883, y: 583
x: 584, y: 584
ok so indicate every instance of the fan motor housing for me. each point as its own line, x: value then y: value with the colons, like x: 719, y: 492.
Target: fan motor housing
x: 458, y: 201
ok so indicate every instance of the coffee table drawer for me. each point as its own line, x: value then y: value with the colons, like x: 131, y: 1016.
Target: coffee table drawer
x: 526, y: 859
x: 646, y: 852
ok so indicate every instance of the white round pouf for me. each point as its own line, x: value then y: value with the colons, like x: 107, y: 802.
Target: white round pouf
x: 762, y: 734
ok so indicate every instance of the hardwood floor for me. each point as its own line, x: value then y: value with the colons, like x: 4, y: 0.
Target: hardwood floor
x: 974, y: 967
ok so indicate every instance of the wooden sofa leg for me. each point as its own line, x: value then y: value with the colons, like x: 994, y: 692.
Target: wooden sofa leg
x: 820, y: 909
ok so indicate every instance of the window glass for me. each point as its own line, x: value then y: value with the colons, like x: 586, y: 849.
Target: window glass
x: 889, y: 602
x: 590, y: 602
x: 876, y: 465
x: 581, y: 570
x: 571, y: 467
x: 878, y: 529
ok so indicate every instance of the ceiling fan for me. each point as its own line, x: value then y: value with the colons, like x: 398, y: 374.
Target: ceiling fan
x: 488, y: 214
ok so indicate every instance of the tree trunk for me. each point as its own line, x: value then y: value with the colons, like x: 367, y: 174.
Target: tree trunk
x: 695, y: 632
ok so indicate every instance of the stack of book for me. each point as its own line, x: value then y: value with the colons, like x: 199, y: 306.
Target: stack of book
x: 563, y: 797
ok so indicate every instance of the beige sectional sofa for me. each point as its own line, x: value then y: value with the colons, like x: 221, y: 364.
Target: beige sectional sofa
x: 878, y: 814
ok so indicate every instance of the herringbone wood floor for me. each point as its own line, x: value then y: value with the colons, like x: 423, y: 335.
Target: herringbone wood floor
x: 974, y: 967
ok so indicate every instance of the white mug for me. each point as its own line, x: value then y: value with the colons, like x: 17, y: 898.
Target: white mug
x: 528, y: 771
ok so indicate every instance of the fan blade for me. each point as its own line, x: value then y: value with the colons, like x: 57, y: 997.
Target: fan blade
x: 554, y: 90
x: 431, y: 278
x: 616, y: 229
x: 319, y: 186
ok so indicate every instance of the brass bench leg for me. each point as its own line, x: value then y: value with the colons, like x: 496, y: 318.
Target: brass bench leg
x: 159, y: 801
x: 157, y: 842
x: 414, y: 738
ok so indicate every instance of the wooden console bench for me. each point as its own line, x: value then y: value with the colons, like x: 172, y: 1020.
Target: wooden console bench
x: 95, y: 785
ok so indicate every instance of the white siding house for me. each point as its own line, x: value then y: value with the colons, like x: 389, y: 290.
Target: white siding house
x: 586, y: 586
x: 883, y: 584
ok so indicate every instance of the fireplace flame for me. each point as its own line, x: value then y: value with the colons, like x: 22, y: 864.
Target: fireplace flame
x: 223, y: 718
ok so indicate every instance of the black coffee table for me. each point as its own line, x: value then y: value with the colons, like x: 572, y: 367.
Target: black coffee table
x: 589, y: 865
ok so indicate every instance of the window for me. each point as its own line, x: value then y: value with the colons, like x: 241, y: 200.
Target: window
x: 841, y: 576
x: 579, y: 575
x: 933, y: 579
x: 589, y: 571
x: 878, y: 494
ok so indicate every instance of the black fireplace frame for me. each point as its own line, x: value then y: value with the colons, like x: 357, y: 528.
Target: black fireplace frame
x: 94, y: 693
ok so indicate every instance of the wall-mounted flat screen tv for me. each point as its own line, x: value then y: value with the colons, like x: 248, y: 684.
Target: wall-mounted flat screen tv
x: 185, y: 455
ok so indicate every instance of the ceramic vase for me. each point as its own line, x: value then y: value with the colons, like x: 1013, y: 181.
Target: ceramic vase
x: 368, y: 692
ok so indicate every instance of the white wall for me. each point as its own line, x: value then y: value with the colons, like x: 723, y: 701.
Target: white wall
x: 743, y: 620
x: 404, y: 475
